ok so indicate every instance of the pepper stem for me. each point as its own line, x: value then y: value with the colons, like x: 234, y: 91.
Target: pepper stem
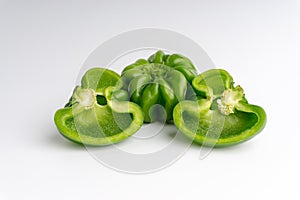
x: 229, y: 99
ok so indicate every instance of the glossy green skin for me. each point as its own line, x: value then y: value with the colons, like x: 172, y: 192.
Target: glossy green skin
x: 111, y: 119
x: 202, y: 121
x: 162, y: 79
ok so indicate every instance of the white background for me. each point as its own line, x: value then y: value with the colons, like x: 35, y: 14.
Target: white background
x: 43, y: 45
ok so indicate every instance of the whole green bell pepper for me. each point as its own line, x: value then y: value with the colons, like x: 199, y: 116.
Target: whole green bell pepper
x: 162, y: 79
x: 221, y: 115
x: 99, y: 112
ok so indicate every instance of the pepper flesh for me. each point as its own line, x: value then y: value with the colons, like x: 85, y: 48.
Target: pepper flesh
x: 160, y: 80
x: 98, y: 112
x: 220, y: 115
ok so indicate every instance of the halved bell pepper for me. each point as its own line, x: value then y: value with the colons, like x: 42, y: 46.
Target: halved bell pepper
x: 99, y: 112
x: 221, y: 115
x: 162, y: 80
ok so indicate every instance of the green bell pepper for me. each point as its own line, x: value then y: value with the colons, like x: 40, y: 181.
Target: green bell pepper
x: 221, y: 115
x: 162, y: 79
x: 99, y: 112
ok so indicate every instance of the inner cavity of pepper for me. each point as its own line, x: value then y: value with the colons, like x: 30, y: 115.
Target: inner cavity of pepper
x: 101, y: 100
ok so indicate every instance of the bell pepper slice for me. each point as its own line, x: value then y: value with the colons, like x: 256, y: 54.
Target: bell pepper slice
x: 162, y: 79
x: 99, y: 112
x: 221, y: 115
